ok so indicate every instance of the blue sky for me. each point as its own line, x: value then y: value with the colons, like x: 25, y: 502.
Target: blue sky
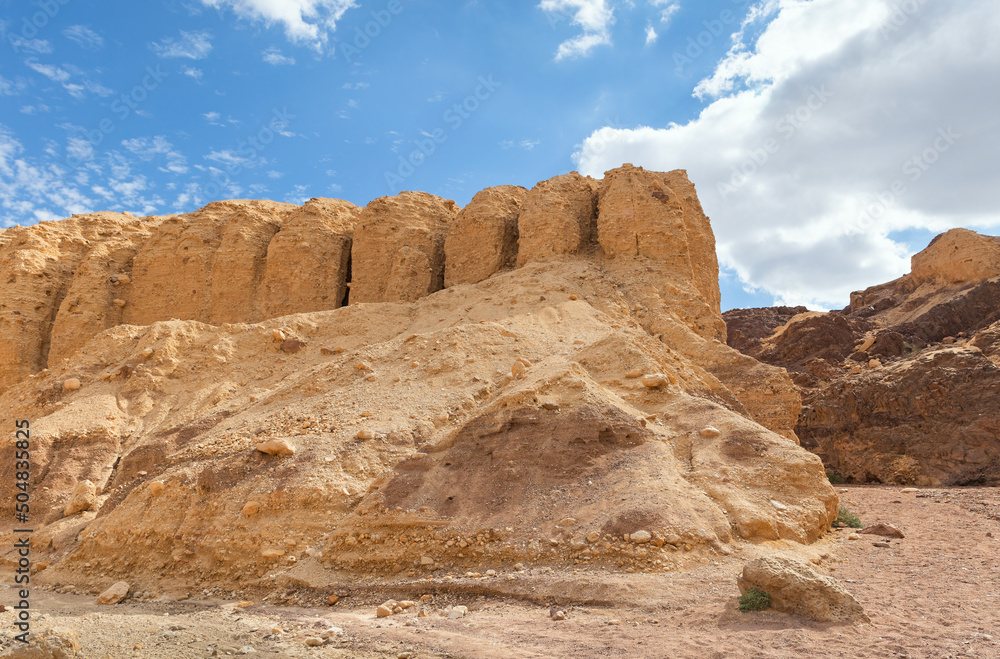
x: 162, y: 106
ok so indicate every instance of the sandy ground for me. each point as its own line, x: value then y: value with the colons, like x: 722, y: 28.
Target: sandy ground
x: 933, y: 594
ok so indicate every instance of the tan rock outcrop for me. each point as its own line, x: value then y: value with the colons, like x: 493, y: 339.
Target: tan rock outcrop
x: 557, y: 218
x: 308, y: 260
x: 238, y: 265
x: 957, y: 256
x: 483, y: 239
x: 50, y: 643
x: 83, y: 497
x: 796, y: 588
x: 398, y: 250
x: 653, y: 221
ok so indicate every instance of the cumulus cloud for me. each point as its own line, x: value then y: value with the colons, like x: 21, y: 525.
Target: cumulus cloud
x: 651, y: 34
x: 595, y: 17
x: 845, y: 121
x: 305, y: 21
x: 274, y: 57
x: 190, y: 45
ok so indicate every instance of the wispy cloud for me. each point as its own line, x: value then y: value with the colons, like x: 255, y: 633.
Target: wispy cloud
x: 84, y: 37
x: 667, y: 9
x: 64, y: 74
x: 193, y: 72
x: 305, y: 21
x: 355, y: 85
x: 149, y: 148
x: 190, y: 45
x: 651, y: 35
x: 274, y: 57
x: 37, y: 46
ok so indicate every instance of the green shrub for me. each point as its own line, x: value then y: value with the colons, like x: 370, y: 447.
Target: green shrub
x: 846, y: 517
x: 754, y: 600
x: 835, y: 478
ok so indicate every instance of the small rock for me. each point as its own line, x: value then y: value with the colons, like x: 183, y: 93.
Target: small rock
x: 251, y: 508
x: 426, y: 560
x: 567, y: 521
x: 244, y: 604
x: 458, y: 612
x: 366, y: 434
x: 593, y: 536
x: 887, y: 530
x: 83, y: 497
x: 383, y: 611
x: 114, y: 594
x: 280, y: 447
x: 550, y: 406
x: 882, y: 545
x: 292, y: 345
x: 655, y: 381
x: 641, y: 537
x: 148, y: 352
x: 557, y: 614
x: 778, y: 505
x: 71, y: 384
x: 710, y: 432
x: 853, y: 536
x: 119, y: 302
x: 278, y: 335
x: 332, y: 599
x: 53, y: 643
x: 517, y: 369
x: 331, y: 632
x: 313, y: 641
x: 909, y: 490
x: 634, y: 373
x: 948, y: 340
x: 422, y: 613
x: 874, y: 363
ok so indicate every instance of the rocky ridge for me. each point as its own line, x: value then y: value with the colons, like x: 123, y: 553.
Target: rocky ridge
x: 258, y: 389
x: 898, y: 387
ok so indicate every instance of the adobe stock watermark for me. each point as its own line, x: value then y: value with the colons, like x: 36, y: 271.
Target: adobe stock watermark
x: 247, y: 151
x: 363, y: 36
x: 454, y: 117
x: 32, y: 25
x: 122, y: 108
x: 913, y: 169
x: 786, y: 127
x: 900, y: 15
x: 696, y: 45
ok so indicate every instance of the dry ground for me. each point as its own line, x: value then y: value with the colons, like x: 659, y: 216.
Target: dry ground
x: 933, y: 594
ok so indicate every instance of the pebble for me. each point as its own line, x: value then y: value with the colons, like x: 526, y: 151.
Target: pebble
x: 557, y: 614
x: 332, y: 599
x: 251, y: 508
x: 383, y: 611
x: 517, y: 369
x: 156, y: 488
x: 634, y: 373
x: 654, y: 380
x: 458, y: 612
x: 710, y: 431
x: 641, y: 537
x: 119, y: 302
x: 426, y: 560
x: 148, y: 352
x: 909, y: 490
x: 883, y: 545
x: 366, y: 434
x: 593, y: 536
x: 567, y: 521
x: 853, y: 536
x: 71, y: 384
x: 313, y: 642
x: 276, y: 447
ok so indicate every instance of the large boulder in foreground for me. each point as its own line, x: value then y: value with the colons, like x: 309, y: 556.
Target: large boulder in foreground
x: 796, y: 588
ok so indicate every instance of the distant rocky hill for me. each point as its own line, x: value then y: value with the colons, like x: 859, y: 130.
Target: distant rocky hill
x: 902, y: 385
x: 259, y: 389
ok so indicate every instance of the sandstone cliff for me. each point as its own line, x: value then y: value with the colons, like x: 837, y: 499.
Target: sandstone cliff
x: 901, y: 385
x: 411, y: 386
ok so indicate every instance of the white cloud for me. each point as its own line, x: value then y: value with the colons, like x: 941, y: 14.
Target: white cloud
x: 650, y: 34
x: 274, y: 57
x: 63, y: 74
x: 190, y: 45
x: 529, y: 145
x: 298, y: 195
x: 50, y: 71
x: 149, y: 148
x: 275, y: 174
x: 38, y: 46
x: 193, y: 72
x: 355, y: 85
x: 667, y: 9
x: 305, y: 21
x: 845, y: 121
x: 84, y: 37
x: 595, y: 17
x: 234, y: 160
x: 11, y: 87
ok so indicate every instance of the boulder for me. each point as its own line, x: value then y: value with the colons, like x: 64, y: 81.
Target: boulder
x: 796, y: 588
x: 83, y: 497
x: 114, y: 594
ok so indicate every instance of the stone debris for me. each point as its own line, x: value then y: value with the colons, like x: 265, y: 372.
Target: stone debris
x: 83, y: 497
x: 796, y: 588
x: 457, y: 612
x: 114, y: 594
x: 279, y: 447
x: 710, y: 432
x: 50, y: 643
x: 655, y: 381
x: 883, y: 529
x: 71, y: 384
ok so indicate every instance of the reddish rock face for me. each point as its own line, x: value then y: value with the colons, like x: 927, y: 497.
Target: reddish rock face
x: 899, y: 387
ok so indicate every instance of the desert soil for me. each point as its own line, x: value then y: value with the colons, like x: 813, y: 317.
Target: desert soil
x: 933, y: 594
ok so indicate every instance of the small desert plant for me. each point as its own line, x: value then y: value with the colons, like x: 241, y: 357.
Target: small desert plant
x: 846, y: 517
x: 835, y: 478
x: 754, y: 600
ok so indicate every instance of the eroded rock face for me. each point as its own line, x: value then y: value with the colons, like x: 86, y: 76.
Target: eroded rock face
x: 398, y: 251
x: 483, y: 239
x: 796, y: 588
x: 557, y: 218
x: 897, y: 387
x: 373, y: 434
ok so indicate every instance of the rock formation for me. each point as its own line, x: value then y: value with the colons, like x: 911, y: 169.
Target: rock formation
x: 899, y: 387
x: 237, y: 420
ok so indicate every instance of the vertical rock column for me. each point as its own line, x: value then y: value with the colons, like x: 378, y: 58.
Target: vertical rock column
x: 398, y: 250
x: 307, y: 261
x: 557, y: 218
x: 483, y: 239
